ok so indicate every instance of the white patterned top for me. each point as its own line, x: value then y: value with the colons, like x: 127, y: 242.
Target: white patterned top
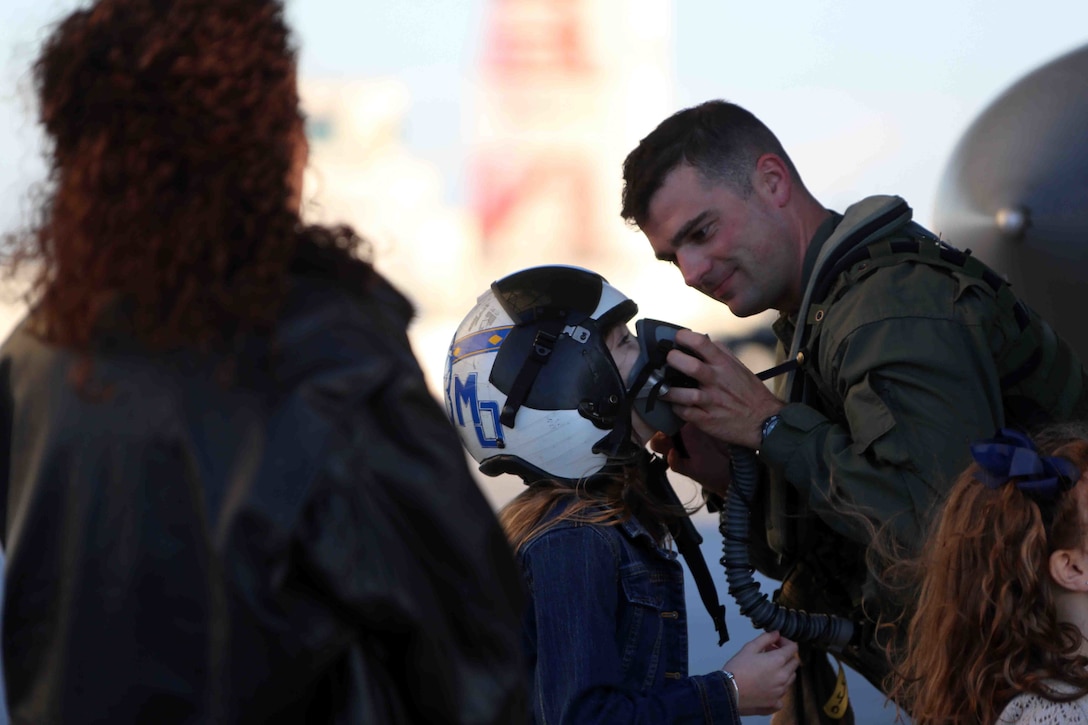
x: 1031, y: 709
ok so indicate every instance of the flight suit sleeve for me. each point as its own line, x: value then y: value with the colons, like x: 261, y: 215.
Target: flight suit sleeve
x: 915, y: 384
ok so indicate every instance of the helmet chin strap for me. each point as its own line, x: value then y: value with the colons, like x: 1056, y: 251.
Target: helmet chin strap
x: 617, y: 442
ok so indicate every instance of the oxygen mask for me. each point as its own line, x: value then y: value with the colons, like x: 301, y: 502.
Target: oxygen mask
x: 651, y: 377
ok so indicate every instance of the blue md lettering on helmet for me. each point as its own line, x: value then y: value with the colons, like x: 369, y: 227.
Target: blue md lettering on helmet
x: 464, y: 393
x: 465, y: 396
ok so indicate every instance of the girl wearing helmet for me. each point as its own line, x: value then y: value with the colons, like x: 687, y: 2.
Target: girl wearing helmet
x: 536, y: 383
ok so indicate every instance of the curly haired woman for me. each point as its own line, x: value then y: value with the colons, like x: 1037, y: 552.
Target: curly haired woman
x: 229, y: 495
x: 999, y: 630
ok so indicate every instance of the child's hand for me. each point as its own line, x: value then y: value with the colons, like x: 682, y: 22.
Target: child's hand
x: 764, y: 669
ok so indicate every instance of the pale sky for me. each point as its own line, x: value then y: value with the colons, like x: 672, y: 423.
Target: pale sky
x: 867, y: 97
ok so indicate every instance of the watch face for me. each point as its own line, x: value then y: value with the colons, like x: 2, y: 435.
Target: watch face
x: 769, y: 424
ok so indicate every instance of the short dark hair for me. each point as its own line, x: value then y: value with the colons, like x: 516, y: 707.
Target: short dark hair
x: 720, y: 139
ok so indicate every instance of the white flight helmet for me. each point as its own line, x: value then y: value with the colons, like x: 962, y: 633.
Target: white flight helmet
x: 530, y: 384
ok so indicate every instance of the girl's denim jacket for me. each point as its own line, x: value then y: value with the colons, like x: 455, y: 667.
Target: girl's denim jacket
x: 606, y: 631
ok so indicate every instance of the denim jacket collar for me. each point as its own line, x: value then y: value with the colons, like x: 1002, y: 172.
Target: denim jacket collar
x: 635, y: 531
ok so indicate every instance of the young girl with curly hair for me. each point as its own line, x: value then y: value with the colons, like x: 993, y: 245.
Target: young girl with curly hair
x: 998, y: 633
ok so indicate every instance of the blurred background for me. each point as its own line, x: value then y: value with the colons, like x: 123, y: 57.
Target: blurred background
x: 470, y: 139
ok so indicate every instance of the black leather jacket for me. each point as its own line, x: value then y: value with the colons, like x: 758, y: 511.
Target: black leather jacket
x: 303, y: 543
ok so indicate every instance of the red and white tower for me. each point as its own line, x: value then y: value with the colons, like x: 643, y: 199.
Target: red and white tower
x: 567, y: 88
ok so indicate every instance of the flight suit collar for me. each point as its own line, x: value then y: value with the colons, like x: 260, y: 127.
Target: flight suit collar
x: 784, y: 326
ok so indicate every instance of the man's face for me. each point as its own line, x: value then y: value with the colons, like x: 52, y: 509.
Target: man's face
x: 736, y: 250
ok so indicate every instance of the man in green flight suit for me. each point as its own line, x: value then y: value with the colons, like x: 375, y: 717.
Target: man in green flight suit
x: 909, y: 349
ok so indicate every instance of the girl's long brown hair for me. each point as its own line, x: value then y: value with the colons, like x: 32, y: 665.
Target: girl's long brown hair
x: 172, y: 129
x: 604, y: 500
x: 985, y: 625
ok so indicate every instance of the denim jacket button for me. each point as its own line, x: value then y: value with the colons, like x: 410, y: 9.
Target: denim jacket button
x: 670, y: 615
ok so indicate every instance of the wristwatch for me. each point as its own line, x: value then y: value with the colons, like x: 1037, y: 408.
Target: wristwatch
x: 768, y: 426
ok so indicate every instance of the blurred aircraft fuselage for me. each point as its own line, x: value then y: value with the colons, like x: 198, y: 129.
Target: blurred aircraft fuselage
x: 1015, y: 192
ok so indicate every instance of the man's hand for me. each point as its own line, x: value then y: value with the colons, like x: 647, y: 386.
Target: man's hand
x: 764, y: 669
x: 730, y: 403
x: 707, y: 461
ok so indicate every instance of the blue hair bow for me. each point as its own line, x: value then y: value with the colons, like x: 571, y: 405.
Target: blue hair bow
x: 1011, y: 456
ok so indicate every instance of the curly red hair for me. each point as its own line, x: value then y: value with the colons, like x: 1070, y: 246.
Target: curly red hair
x: 985, y: 627
x: 172, y: 130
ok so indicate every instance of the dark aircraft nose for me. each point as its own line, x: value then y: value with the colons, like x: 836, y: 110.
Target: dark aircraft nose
x: 1015, y: 192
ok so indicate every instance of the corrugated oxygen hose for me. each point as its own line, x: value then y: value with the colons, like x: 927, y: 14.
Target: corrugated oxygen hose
x: 828, y: 630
